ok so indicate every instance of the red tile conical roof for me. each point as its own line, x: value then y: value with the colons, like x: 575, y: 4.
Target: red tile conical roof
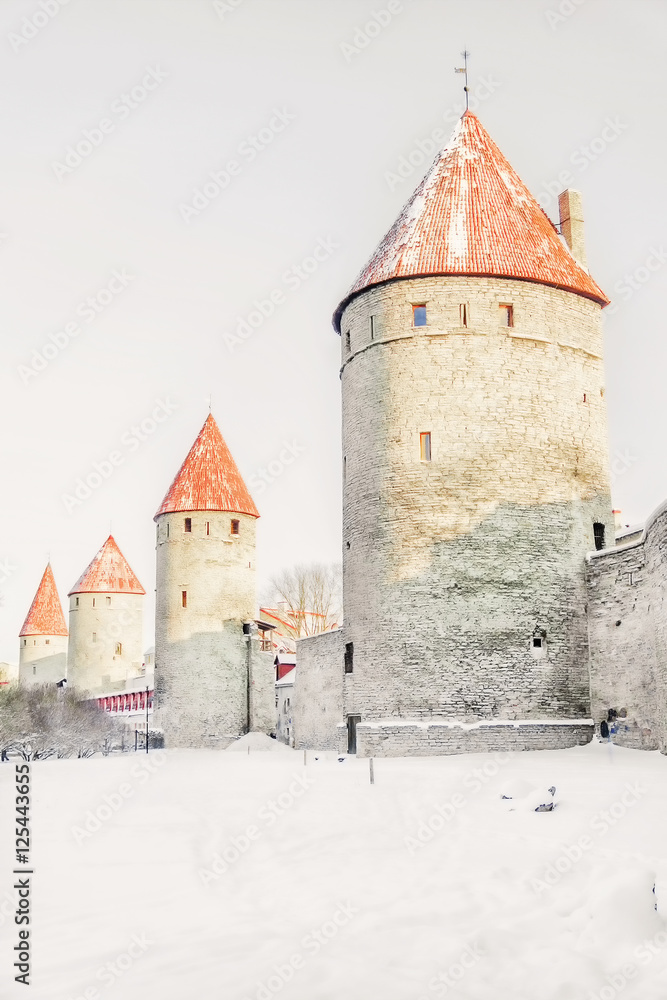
x: 209, y: 478
x: 46, y: 614
x: 473, y: 215
x: 108, y: 573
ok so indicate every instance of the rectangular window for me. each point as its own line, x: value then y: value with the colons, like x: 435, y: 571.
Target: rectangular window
x: 349, y: 657
x: 373, y: 327
x: 188, y: 524
x: 537, y: 641
x: 167, y: 529
x: 34, y: 669
x: 598, y: 534
x: 119, y: 649
x: 348, y: 342
x: 506, y: 314
x: 93, y: 602
x: 235, y: 527
x: 208, y: 527
x: 108, y: 602
x: 463, y: 314
x: 47, y: 642
x: 425, y: 446
x: 184, y: 598
x: 25, y: 642
x: 76, y: 601
x: 94, y: 636
x: 419, y: 315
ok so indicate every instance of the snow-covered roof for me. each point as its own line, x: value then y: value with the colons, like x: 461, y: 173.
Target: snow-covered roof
x: 288, y: 679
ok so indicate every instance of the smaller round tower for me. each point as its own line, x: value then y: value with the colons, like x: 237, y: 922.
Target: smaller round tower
x: 205, y: 594
x: 106, y: 623
x: 43, y: 638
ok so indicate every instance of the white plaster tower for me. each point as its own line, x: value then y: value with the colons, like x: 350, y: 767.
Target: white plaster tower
x: 207, y: 693
x: 475, y: 466
x: 106, y: 624
x: 43, y: 637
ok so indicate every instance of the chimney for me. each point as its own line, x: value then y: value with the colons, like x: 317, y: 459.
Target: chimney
x: 572, y: 224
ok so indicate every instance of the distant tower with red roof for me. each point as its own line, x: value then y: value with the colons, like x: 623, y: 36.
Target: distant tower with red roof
x: 205, y: 594
x: 43, y: 637
x: 475, y: 467
x: 106, y: 622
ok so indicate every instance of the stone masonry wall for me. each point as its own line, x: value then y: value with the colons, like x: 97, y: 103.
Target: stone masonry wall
x: 42, y: 659
x: 453, y: 566
x: 97, y: 623
x: 628, y: 636
x: 318, y: 693
x: 387, y: 740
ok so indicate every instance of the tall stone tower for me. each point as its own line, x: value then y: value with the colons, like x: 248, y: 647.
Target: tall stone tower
x: 105, y: 623
x: 43, y: 638
x: 475, y: 466
x: 206, y: 593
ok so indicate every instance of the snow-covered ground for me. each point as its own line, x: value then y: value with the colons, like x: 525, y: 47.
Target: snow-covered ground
x: 248, y: 876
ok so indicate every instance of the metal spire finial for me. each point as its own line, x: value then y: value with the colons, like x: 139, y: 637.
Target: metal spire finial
x: 464, y: 69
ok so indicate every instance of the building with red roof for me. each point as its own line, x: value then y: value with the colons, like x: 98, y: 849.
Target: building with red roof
x: 43, y: 636
x: 106, y: 623
x: 213, y: 682
x: 475, y: 474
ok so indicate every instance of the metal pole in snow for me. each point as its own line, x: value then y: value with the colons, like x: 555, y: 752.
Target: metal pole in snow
x: 147, y: 718
x: 304, y: 757
x: 372, y: 773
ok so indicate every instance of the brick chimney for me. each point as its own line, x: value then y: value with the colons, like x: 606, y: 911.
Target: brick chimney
x: 572, y: 224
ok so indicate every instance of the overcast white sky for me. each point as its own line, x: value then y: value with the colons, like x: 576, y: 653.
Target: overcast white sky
x: 548, y: 85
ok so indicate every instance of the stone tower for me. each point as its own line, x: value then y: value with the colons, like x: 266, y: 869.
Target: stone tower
x: 43, y: 638
x: 475, y: 466
x: 105, y: 624
x: 209, y: 684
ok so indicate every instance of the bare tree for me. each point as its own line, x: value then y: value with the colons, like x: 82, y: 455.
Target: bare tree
x: 45, y: 721
x: 312, y: 595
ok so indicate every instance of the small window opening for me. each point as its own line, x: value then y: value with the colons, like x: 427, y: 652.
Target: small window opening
x: 419, y: 315
x: 47, y: 642
x: 585, y: 398
x: 235, y: 527
x: 34, y: 642
x: 425, y: 446
x: 167, y: 529
x: 184, y: 598
x: 631, y: 578
x: 348, y: 342
x: 208, y: 527
x: 25, y: 642
x: 347, y: 545
x: 93, y: 602
x: 598, y: 534
x: 373, y: 328
x: 537, y: 641
x: 506, y: 314
x: 344, y: 467
x: 188, y: 524
x: 94, y: 636
x: 34, y: 669
x: 463, y: 314
x: 108, y: 602
x: 119, y: 649
x: 349, y: 657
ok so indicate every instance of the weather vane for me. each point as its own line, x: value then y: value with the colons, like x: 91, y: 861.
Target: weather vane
x: 464, y: 69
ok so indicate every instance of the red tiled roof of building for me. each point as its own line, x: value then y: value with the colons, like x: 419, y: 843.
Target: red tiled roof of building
x: 46, y: 614
x: 108, y: 573
x: 209, y: 478
x: 473, y: 215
